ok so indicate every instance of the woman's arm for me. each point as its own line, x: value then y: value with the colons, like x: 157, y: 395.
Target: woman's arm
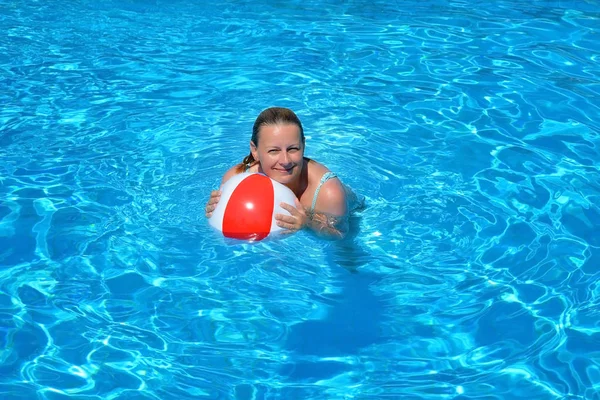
x: 329, y: 219
x: 330, y: 216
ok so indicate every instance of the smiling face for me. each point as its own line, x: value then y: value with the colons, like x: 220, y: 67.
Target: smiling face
x: 280, y: 152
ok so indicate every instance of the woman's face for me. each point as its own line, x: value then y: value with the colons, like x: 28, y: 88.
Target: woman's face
x: 280, y: 152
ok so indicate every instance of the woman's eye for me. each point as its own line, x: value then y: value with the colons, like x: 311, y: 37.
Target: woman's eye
x: 273, y: 151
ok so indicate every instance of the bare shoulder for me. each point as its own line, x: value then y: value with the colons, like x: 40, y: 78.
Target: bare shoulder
x: 238, y: 169
x: 331, y: 198
x: 315, y: 171
x: 230, y: 173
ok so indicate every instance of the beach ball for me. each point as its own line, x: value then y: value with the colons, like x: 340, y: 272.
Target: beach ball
x: 249, y: 202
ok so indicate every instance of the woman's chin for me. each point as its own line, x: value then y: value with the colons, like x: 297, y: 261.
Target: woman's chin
x: 282, y: 177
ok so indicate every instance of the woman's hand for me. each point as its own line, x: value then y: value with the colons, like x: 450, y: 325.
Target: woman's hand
x: 294, y: 222
x: 215, y: 196
x: 329, y: 226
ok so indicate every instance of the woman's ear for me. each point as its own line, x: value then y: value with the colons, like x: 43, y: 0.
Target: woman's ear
x: 253, y: 150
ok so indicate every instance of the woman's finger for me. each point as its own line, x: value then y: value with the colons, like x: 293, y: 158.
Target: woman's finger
x: 291, y: 209
x: 293, y: 222
x: 285, y: 218
x: 215, y: 197
x: 287, y: 225
x: 300, y: 207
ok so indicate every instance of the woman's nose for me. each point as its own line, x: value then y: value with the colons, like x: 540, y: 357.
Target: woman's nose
x: 284, y: 158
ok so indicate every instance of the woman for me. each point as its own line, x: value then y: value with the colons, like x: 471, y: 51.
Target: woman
x: 277, y: 150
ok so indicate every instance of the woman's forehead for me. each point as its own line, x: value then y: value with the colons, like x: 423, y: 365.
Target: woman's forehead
x: 280, y: 133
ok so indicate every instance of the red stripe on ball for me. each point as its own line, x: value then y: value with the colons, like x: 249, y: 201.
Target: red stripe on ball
x: 249, y: 211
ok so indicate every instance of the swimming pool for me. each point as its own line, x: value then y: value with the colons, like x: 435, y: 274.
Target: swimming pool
x: 471, y: 129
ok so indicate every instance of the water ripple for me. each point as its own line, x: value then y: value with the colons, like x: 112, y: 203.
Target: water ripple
x: 471, y: 129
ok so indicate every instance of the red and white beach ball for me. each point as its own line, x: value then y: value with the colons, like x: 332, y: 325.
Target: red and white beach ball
x: 249, y: 202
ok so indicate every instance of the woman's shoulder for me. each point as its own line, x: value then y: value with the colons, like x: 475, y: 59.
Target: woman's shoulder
x: 321, y: 177
x: 236, y: 169
x: 329, y: 194
x: 316, y: 171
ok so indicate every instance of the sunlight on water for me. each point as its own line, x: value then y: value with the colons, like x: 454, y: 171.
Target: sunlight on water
x: 471, y: 129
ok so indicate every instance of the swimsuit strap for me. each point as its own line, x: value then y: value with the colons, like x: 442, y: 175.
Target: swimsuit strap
x: 326, y: 176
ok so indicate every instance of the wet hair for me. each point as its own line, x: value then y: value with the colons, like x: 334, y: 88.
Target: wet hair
x: 270, y: 116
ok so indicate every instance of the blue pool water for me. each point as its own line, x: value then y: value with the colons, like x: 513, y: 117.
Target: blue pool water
x: 470, y: 128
